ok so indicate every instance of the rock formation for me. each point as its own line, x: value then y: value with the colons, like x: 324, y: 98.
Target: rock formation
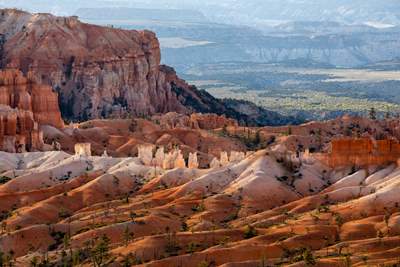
x: 172, y: 120
x: 211, y: 121
x: 362, y: 152
x: 236, y: 156
x: 193, y: 162
x: 83, y: 150
x: 25, y: 106
x: 97, y: 70
x: 174, y: 159
x: 100, y: 71
x: 145, y: 154
x: 159, y: 157
x: 224, y: 159
x: 324, y: 210
x: 215, y: 163
x: 19, y: 132
x: 179, y: 160
x: 19, y: 92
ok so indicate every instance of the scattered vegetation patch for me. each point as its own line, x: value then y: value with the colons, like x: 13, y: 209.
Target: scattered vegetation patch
x: 250, y: 232
x: 4, y: 179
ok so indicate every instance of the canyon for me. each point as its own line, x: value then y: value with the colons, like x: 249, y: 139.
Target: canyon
x: 284, y: 203
x: 147, y: 170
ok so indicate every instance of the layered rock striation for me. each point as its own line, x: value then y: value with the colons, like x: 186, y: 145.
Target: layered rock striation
x: 24, y: 106
x: 20, y: 92
x: 100, y: 72
x: 19, y: 132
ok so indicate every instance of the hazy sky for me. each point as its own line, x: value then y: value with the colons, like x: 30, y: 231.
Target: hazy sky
x: 241, y: 11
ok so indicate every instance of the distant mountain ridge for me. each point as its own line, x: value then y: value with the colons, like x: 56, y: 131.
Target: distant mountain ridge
x: 124, y: 13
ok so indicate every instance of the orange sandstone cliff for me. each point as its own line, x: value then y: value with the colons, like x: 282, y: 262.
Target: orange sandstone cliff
x: 363, y: 152
x: 24, y: 106
x: 103, y: 72
x: 97, y: 71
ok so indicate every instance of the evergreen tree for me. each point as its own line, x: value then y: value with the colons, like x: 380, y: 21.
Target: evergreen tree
x: 372, y: 113
x: 128, y: 236
x: 100, y: 252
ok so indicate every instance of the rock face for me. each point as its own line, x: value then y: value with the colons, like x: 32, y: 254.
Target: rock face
x: 145, y: 154
x: 19, y: 132
x: 215, y: 163
x: 224, y: 159
x: 193, y: 162
x: 211, y: 121
x: 25, y: 106
x: 20, y: 92
x: 174, y: 159
x: 172, y: 120
x: 83, y: 149
x: 362, y: 152
x: 159, y: 157
x: 100, y: 71
x: 236, y: 156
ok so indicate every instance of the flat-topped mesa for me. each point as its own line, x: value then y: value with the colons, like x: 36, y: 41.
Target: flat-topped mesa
x: 362, y: 152
x: 18, y: 91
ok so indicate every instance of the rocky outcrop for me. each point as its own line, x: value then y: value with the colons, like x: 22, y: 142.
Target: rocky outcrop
x: 99, y: 71
x: 83, y: 149
x: 145, y: 154
x: 211, y: 121
x: 215, y: 163
x: 236, y: 156
x: 224, y: 159
x: 362, y: 152
x: 196, y: 121
x: 193, y: 162
x: 19, y: 132
x: 25, y: 106
x: 174, y: 159
x: 20, y: 92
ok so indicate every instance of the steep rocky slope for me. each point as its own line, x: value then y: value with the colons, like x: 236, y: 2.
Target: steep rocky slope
x: 96, y: 70
x: 122, y: 137
x: 64, y: 208
x: 20, y: 92
x: 24, y: 106
x: 99, y: 71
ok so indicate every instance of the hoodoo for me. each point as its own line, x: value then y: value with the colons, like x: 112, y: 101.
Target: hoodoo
x: 24, y: 106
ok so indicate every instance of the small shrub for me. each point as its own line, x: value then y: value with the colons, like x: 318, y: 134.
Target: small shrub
x: 250, y: 232
x: 4, y: 179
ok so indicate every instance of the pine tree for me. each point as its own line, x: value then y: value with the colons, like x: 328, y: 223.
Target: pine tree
x: 372, y: 113
x: 100, y: 252
x: 128, y: 236
x: 2, y: 259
